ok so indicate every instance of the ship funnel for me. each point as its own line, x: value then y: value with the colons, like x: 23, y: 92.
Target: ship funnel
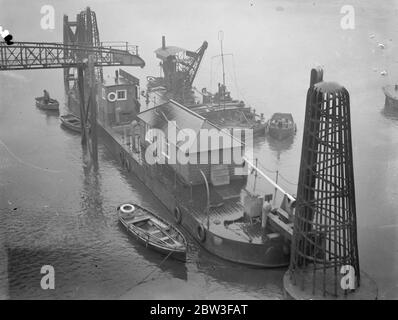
x: 163, y: 42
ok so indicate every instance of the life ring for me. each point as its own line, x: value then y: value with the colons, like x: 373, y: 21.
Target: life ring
x: 201, y: 232
x: 114, y: 96
x: 177, y: 215
x: 127, y: 208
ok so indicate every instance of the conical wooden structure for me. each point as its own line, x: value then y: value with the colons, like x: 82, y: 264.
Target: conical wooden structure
x: 324, y: 245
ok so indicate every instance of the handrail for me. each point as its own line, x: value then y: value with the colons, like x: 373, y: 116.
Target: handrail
x: 42, y: 55
x: 269, y: 179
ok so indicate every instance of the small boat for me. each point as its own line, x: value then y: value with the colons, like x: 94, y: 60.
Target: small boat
x: 281, y: 126
x: 391, y: 93
x: 71, y: 122
x: 51, y: 105
x: 153, y: 231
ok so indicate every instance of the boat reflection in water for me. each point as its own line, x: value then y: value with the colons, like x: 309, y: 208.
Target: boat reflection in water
x: 247, y: 277
x: 280, y: 146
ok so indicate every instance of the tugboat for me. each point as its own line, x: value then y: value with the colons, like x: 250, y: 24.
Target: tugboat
x: 281, y: 126
x: 180, y: 67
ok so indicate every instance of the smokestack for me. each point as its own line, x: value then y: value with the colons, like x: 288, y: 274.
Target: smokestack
x: 163, y: 42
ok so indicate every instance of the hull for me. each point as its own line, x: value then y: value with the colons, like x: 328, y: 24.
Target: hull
x: 281, y: 133
x: 70, y: 126
x: 272, y: 251
x: 178, y: 255
x: 47, y: 106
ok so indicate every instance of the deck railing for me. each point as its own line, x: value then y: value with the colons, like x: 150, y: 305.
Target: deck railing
x: 121, y: 45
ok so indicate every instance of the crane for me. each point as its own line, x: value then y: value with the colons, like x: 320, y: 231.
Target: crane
x: 180, y: 67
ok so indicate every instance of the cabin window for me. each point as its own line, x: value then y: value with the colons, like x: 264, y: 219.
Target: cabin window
x: 103, y: 94
x: 121, y: 94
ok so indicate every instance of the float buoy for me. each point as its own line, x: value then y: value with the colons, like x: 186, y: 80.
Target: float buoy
x: 112, y: 94
x: 127, y: 208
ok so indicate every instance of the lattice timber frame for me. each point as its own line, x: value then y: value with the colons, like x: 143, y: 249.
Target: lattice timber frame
x: 325, y: 236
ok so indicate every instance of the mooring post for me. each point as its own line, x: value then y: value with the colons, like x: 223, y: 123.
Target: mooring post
x: 80, y: 80
x: 324, y: 256
x: 93, y: 110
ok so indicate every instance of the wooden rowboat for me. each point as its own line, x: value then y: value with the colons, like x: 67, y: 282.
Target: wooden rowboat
x: 51, y: 105
x: 153, y: 231
x: 71, y: 122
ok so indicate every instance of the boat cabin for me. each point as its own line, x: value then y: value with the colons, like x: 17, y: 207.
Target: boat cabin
x: 118, y: 99
x: 189, y: 144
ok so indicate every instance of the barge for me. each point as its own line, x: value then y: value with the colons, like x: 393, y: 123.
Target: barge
x: 204, y: 199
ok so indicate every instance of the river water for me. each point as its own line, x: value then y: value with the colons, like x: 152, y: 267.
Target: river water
x: 55, y: 211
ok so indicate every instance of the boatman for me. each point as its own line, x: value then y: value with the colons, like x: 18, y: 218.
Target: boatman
x: 46, y: 96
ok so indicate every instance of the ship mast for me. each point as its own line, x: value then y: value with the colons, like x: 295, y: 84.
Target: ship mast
x: 220, y: 37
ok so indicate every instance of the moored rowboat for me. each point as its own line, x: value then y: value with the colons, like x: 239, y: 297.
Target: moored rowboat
x: 71, y: 122
x: 391, y: 93
x: 153, y: 231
